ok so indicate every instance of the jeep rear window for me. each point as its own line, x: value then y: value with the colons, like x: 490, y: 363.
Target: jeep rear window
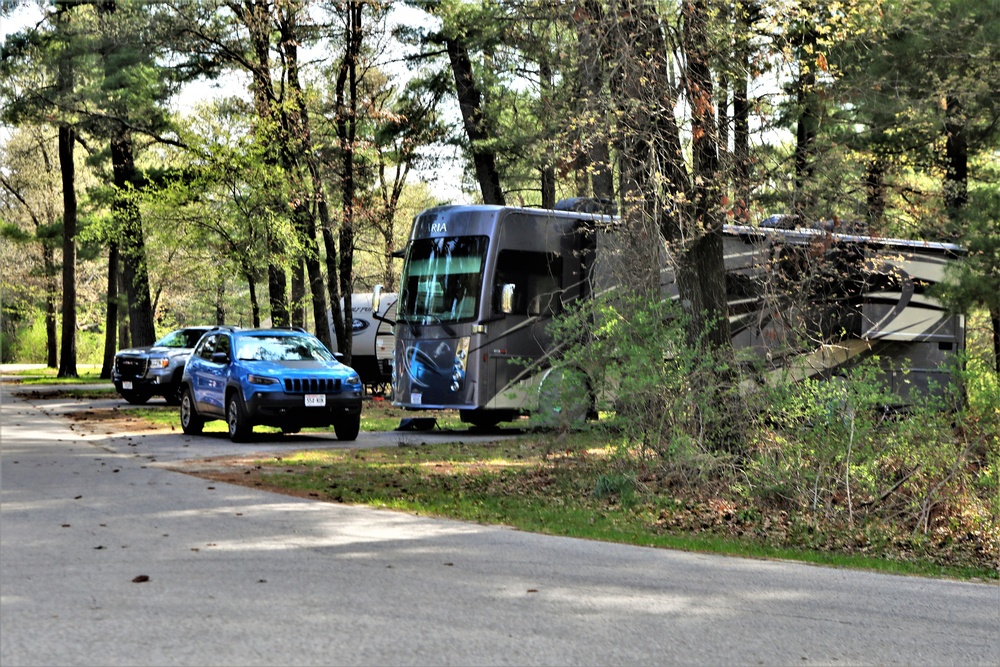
x: 281, y: 348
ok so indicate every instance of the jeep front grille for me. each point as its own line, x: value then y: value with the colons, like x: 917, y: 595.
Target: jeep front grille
x: 131, y: 367
x: 311, y: 385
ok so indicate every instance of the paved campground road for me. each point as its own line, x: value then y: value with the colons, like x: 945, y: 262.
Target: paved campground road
x: 108, y: 557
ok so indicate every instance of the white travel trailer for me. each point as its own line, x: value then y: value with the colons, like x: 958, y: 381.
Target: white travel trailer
x: 372, y: 342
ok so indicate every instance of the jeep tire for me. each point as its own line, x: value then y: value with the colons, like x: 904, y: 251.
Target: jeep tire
x: 347, y: 428
x: 240, y: 428
x: 191, y: 422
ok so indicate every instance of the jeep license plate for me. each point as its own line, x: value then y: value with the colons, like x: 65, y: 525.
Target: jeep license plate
x: 127, y: 385
x: 315, y: 400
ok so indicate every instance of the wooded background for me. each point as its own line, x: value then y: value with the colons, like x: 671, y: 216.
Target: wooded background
x: 128, y: 209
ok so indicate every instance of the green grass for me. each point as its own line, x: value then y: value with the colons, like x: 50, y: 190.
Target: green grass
x: 520, y: 483
x: 35, y: 376
x: 375, y: 416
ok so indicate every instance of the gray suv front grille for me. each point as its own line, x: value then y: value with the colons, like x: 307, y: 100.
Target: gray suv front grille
x: 131, y: 367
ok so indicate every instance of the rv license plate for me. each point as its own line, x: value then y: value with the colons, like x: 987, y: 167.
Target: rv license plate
x: 126, y: 385
x: 416, y: 398
x: 315, y: 400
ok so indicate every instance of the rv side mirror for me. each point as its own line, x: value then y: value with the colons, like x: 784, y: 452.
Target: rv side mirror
x: 507, y: 298
x: 376, y: 297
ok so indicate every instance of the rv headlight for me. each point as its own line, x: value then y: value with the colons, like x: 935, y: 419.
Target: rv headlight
x: 462, y: 352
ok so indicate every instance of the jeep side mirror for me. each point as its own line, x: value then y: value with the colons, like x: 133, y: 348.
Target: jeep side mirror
x: 220, y: 358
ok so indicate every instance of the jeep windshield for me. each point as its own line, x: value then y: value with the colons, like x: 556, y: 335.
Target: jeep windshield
x: 281, y: 348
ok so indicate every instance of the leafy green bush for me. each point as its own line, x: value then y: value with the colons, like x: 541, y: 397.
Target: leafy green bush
x: 665, y: 397
x: 846, y: 472
x: 29, y: 345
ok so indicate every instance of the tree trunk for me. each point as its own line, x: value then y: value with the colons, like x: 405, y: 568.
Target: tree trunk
x: 124, y: 340
x: 276, y: 286
x: 875, y: 193
x: 347, y: 119
x: 298, y: 304
x: 51, y: 321
x: 67, y: 168
x: 304, y: 214
x: 592, y: 75
x: 956, y: 177
x: 256, y: 16
x: 110, y: 313
x: 220, y: 299
x: 254, y: 303
x: 131, y: 242
x: 648, y: 140
x: 807, y: 128
x: 548, y: 170
x: 470, y: 103
x: 333, y: 284
x: 741, y: 116
x: 703, y: 267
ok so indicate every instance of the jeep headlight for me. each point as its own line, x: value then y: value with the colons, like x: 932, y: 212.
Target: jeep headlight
x: 253, y: 378
x: 354, y: 378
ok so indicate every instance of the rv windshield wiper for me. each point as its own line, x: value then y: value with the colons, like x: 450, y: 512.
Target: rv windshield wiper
x: 437, y: 319
x: 414, y: 322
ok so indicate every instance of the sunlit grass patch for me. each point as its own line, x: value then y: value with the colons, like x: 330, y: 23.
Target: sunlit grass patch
x: 46, y: 376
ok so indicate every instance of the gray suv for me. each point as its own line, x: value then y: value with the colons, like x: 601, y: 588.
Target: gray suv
x: 140, y: 373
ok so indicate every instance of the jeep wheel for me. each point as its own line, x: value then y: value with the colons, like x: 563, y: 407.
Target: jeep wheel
x: 135, y: 397
x: 347, y: 428
x: 191, y: 422
x: 240, y: 428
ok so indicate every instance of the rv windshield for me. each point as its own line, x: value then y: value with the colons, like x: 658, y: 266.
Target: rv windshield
x: 442, y: 278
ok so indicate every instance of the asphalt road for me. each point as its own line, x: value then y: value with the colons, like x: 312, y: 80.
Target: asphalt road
x: 107, y: 557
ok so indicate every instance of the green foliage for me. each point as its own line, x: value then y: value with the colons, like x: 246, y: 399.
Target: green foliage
x: 827, y: 454
x: 27, y: 343
x: 975, y: 281
x: 615, y: 485
x: 29, y: 346
x: 667, y: 397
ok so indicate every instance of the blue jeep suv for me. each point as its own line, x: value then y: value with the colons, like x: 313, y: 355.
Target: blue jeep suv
x: 271, y: 377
